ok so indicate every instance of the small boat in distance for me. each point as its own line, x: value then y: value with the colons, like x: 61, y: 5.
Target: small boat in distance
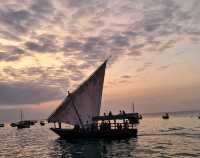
x: 139, y: 115
x: 13, y: 124
x: 42, y: 123
x: 81, y: 109
x: 23, y: 124
x: 165, y: 116
x: 1, y: 125
x: 30, y: 122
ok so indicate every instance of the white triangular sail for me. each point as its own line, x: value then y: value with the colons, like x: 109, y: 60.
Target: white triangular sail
x: 84, y: 103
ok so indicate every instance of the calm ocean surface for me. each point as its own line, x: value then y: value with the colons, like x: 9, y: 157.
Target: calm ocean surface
x: 177, y: 137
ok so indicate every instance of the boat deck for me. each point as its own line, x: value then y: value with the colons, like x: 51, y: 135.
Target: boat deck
x: 69, y: 134
x: 116, y: 117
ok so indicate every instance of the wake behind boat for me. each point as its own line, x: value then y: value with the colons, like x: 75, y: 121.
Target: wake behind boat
x: 82, y: 108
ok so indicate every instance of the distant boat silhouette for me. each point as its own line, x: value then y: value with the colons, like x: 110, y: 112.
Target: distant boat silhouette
x: 165, y: 116
x: 42, y: 123
x: 23, y: 124
x: 139, y: 115
x: 13, y: 124
x: 1, y: 125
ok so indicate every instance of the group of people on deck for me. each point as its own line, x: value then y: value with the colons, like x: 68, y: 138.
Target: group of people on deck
x: 105, y: 125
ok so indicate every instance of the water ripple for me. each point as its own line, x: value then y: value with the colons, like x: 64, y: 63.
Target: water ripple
x: 157, y: 138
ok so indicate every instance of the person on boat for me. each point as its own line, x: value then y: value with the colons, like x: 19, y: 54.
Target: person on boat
x: 126, y: 125
x: 119, y: 126
x: 120, y: 112
x: 115, y: 125
x: 123, y: 112
x: 102, y: 126
x: 109, y: 125
x: 87, y: 126
x: 76, y: 128
x: 105, y: 127
x: 94, y: 127
x: 59, y: 125
x: 110, y: 113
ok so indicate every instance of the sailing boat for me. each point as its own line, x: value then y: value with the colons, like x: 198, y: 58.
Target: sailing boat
x: 22, y: 124
x: 139, y: 115
x: 165, y: 116
x: 1, y: 124
x: 81, y: 109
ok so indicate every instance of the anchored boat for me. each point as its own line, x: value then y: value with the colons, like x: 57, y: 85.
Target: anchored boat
x: 81, y: 109
x: 165, y: 116
x: 1, y: 124
x: 23, y: 123
x: 42, y: 123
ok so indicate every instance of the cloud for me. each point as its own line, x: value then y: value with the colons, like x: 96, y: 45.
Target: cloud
x: 26, y: 93
x: 145, y: 66
x: 6, y: 34
x: 26, y: 18
x: 126, y: 76
x: 167, y: 45
x: 8, y: 57
x: 51, y: 77
x: 88, y: 31
x: 72, y: 45
x: 164, y: 67
x: 45, y: 43
x: 15, y: 19
x: 76, y: 77
x: 11, y: 53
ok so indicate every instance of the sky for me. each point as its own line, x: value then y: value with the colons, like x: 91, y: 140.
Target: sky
x: 48, y: 47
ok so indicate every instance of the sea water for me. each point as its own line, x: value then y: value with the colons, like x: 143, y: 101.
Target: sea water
x: 177, y: 137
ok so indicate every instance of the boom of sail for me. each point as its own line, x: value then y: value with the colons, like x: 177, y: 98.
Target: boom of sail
x: 80, y: 106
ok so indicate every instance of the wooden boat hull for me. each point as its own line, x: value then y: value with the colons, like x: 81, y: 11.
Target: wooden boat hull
x: 111, y: 134
x: 23, y: 126
x: 165, y: 117
x: 42, y: 124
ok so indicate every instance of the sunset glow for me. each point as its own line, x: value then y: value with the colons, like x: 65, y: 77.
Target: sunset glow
x: 49, y: 47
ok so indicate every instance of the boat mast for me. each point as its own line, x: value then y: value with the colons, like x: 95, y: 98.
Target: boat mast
x: 21, y: 114
x: 133, y: 107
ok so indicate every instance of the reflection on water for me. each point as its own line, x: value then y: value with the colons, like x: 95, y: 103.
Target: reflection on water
x: 94, y: 148
x: 176, y: 137
x: 80, y: 148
